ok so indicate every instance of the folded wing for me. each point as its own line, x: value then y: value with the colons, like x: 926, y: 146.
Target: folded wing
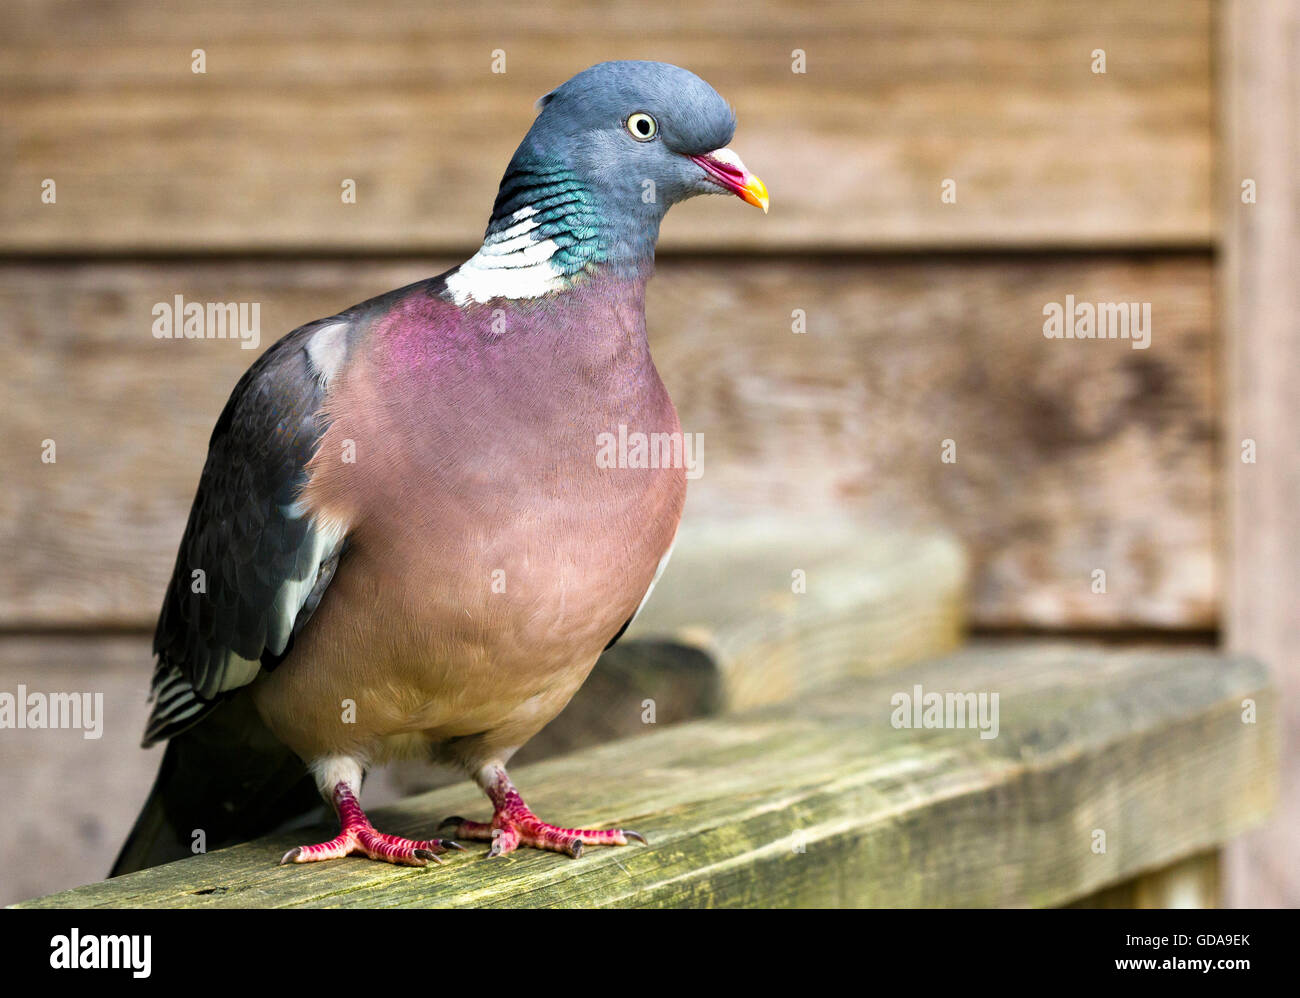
x: 252, y: 564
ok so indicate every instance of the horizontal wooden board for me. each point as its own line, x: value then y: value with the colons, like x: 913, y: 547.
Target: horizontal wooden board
x: 785, y: 604
x: 824, y: 802
x: 400, y: 96
x: 1072, y: 456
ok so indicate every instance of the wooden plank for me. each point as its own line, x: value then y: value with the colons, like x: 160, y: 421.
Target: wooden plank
x: 824, y: 802
x: 1072, y: 456
x: 400, y: 96
x: 785, y: 606
x: 1260, y: 111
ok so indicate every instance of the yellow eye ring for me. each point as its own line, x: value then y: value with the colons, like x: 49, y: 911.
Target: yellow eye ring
x: 641, y: 126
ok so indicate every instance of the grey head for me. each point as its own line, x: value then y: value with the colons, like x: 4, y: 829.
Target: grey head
x: 611, y: 151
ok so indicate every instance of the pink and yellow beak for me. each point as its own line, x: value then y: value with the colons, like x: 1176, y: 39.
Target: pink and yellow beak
x: 726, y: 170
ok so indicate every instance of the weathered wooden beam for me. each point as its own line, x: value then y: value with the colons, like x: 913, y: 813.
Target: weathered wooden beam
x: 782, y: 606
x: 149, y: 156
x: 825, y: 802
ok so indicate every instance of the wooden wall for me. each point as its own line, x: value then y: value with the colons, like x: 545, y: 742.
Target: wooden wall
x: 399, y: 95
x: 924, y: 318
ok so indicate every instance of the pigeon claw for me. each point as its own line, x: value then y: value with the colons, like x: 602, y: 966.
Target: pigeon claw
x: 509, y: 831
x: 374, y: 845
x: 358, y: 835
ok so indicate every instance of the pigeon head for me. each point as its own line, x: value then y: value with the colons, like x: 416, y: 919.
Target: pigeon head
x: 643, y: 134
x: 611, y: 151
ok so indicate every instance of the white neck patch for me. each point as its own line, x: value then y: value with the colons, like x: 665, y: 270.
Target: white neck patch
x: 509, y: 264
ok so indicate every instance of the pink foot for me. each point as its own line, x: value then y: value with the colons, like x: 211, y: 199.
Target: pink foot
x: 359, y: 835
x: 514, y: 824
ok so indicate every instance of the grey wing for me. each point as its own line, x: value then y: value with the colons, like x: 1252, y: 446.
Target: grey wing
x: 252, y: 565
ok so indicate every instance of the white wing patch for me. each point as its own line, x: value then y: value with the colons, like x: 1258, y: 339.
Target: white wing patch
x: 327, y: 349
x: 509, y: 264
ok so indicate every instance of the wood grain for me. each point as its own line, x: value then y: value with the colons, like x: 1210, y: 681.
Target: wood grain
x: 400, y: 96
x: 1072, y: 456
x: 824, y: 803
x: 1261, y: 305
x: 73, y: 798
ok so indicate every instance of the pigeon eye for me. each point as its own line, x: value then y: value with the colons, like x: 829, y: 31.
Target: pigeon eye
x: 641, y: 126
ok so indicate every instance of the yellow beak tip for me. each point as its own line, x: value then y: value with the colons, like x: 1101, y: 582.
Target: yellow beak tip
x: 756, y: 193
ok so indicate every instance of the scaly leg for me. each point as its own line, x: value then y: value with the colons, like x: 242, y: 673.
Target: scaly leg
x: 359, y: 835
x: 514, y: 824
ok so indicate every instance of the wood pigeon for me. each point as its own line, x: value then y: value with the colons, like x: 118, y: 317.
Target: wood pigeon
x: 403, y: 542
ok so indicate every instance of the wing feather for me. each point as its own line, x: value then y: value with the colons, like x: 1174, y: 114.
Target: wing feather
x: 252, y: 564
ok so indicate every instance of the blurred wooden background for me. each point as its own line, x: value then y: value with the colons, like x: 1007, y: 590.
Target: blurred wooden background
x: 924, y: 318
